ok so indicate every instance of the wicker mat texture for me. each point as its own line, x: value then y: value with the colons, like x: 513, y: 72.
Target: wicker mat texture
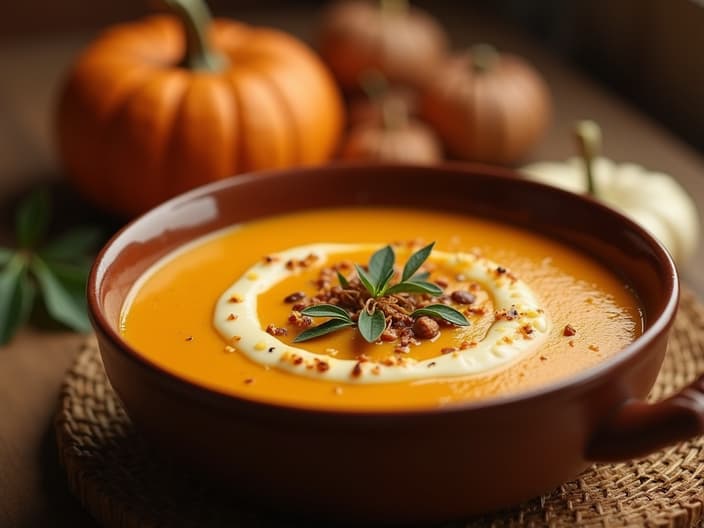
x: 123, y: 484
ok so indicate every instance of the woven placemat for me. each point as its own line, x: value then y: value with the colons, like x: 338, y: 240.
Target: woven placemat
x: 123, y: 484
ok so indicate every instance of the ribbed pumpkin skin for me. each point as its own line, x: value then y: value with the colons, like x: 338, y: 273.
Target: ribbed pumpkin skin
x: 495, y: 116
x: 134, y: 128
x: 358, y: 36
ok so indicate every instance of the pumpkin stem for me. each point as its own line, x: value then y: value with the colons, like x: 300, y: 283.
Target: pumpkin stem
x: 484, y: 57
x: 588, y: 139
x: 395, y: 7
x: 196, y: 19
x: 394, y: 113
x: 373, y: 84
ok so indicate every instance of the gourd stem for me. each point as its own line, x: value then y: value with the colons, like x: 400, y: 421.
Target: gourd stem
x: 484, y: 57
x: 588, y: 139
x: 196, y: 20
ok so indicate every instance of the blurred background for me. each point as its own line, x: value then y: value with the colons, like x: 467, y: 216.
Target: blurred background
x: 646, y: 50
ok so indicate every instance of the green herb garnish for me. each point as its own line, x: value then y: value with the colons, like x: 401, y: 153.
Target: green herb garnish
x: 55, y: 272
x: 376, y: 280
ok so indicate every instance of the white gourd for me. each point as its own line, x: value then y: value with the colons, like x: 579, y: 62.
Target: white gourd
x: 653, y: 199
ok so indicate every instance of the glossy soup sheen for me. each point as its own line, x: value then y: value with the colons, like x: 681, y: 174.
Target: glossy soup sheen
x: 170, y: 319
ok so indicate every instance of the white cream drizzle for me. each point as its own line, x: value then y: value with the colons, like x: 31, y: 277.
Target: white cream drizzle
x: 236, y: 319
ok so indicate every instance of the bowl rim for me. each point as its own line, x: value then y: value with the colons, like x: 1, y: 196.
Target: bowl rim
x: 579, y: 380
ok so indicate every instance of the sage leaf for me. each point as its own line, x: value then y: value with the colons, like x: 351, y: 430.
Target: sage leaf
x: 72, y: 244
x: 413, y: 286
x: 13, y: 298
x: 371, y: 326
x: 327, y: 327
x: 343, y: 280
x: 366, y: 280
x: 327, y: 310
x: 32, y: 219
x: 28, y: 292
x: 62, y: 305
x: 379, y: 265
x: 6, y: 255
x: 442, y: 311
x: 415, y: 261
x: 74, y: 276
x: 383, y: 283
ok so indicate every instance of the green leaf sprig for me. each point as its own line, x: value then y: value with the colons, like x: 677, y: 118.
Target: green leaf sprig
x: 55, y: 272
x: 376, y: 279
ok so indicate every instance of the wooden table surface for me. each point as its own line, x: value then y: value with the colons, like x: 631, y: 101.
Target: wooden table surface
x: 33, y: 491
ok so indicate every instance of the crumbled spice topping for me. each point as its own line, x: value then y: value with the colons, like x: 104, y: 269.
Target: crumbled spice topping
x: 274, y: 330
x: 402, y: 331
x: 527, y: 330
x: 508, y: 315
x: 357, y: 370
x: 321, y: 365
x: 189, y: 338
x: 401, y: 328
x: 293, y: 264
x: 294, y: 297
x: 442, y: 282
x: 426, y: 327
x: 298, y: 320
x: 463, y: 297
x: 569, y: 331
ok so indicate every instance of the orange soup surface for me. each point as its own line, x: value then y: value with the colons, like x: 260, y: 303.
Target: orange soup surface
x: 169, y: 317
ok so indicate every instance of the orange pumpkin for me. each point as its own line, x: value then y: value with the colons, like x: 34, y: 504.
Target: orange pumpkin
x: 487, y: 106
x: 152, y: 109
x: 404, y: 43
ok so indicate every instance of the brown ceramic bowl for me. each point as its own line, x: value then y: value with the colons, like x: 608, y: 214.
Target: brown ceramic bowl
x: 440, y: 464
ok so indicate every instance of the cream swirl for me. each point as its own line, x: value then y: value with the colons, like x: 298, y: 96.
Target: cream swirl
x: 507, y: 340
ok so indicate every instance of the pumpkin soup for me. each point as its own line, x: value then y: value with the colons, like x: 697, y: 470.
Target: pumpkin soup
x: 286, y: 310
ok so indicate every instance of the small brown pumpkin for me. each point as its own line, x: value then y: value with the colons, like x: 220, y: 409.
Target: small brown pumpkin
x: 151, y: 109
x: 395, y: 138
x: 487, y: 106
x: 404, y: 43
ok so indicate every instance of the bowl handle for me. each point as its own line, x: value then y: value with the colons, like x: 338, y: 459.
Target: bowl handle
x: 639, y: 428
